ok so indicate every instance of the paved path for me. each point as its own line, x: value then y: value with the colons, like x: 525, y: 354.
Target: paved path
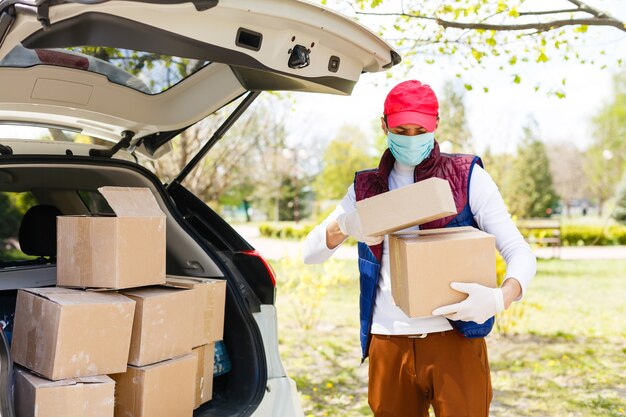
x: 279, y: 248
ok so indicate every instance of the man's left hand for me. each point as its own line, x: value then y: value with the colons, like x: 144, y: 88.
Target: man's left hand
x: 481, y: 304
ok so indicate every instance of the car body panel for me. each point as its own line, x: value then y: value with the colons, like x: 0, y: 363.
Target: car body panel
x: 90, y: 102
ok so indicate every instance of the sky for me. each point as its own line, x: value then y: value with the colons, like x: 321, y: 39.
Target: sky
x: 495, y: 118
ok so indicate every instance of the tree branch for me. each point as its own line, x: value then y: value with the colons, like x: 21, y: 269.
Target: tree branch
x: 415, y: 16
x: 552, y: 12
x: 542, y: 26
x: 586, y: 8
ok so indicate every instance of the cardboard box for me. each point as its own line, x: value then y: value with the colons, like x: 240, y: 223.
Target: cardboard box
x: 62, y: 333
x: 81, y: 397
x: 164, y: 389
x: 418, y: 203
x: 205, y: 356
x: 424, y: 263
x: 163, y: 324
x: 218, y: 301
x: 210, y: 299
x: 124, y: 251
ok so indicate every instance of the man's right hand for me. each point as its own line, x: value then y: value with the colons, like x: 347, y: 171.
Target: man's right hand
x: 350, y: 225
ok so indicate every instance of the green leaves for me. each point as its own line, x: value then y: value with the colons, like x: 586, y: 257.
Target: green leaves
x: 581, y: 29
x: 477, y: 54
x: 485, y: 31
x: 513, y: 12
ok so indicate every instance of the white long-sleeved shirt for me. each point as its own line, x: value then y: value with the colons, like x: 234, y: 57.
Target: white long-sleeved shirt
x: 489, y: 212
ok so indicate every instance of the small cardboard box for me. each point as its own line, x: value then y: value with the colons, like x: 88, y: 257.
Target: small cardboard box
x: 210, y: 298
x: 424, y: 263
x: 164, y: 389
x: 218, y: 301
x: 124, y: 251
x: 418, y: 203
x: 204, y: 373
x: 62, y: 333
x: 81, y: 397
x: 163, y: 324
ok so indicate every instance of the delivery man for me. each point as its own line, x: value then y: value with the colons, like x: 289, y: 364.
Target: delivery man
x: 440, y: 360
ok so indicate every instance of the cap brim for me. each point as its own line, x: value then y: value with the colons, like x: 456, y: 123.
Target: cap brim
x: 427, y: 121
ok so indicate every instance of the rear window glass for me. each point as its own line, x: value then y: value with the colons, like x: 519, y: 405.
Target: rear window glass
x: 46, y: 133
x: 95, y: 203
x: 147, y: 72
x: 12, y: 209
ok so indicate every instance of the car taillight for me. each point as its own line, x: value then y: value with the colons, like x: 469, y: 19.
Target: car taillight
x: 270, y: 270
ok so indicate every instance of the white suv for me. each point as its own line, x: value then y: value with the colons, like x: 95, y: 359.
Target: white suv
x: 104, y: 69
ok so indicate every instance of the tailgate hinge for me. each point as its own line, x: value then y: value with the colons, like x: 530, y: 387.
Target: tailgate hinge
x: 124, y: 143
x: 43, y: 15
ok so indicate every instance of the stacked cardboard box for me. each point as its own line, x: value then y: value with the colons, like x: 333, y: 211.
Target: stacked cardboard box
x: 133, y: 328
x: 423, y: 263
x: 78, y: 397
x: 208, y: 325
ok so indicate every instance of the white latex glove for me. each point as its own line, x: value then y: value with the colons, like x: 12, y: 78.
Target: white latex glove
x: 481, y: 304
x: 350, y: 224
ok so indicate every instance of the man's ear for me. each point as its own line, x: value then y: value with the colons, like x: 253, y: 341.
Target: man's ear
x: 383, y: 125
x: 437, y: 122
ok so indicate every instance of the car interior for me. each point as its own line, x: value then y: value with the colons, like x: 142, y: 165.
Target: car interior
x: 72, y: 189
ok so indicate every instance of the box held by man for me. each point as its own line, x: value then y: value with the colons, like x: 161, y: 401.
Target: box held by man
x: 423, y: 263
x: 415, y: 204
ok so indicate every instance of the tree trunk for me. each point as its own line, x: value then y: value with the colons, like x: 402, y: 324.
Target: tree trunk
x: 246, y: 207
x: 600, y: 204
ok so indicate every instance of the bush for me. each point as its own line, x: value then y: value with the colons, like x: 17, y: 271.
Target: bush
x: 309, y: 286
x: 285, y: 231
x: 584, y: 235
x: 593, y: 235
x: 292, y: 231
x: 570, y: 235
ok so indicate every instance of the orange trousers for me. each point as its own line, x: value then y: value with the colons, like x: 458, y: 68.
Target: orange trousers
x: 446, y: 370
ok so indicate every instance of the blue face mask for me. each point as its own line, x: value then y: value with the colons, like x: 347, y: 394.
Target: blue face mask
x: 411, y: 150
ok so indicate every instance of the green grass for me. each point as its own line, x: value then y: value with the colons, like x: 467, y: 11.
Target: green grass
x: 565, y: 355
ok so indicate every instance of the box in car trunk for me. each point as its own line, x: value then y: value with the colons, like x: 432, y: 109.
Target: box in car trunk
x: 81, y: 397
x: 63, y: 333
x: 210, y: 298
x: 204, y: 373
x: 164, y: 389
x: 123, y: 251
x: 163, y: 324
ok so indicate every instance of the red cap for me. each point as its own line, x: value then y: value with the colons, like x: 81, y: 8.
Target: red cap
x: 412, y: 102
